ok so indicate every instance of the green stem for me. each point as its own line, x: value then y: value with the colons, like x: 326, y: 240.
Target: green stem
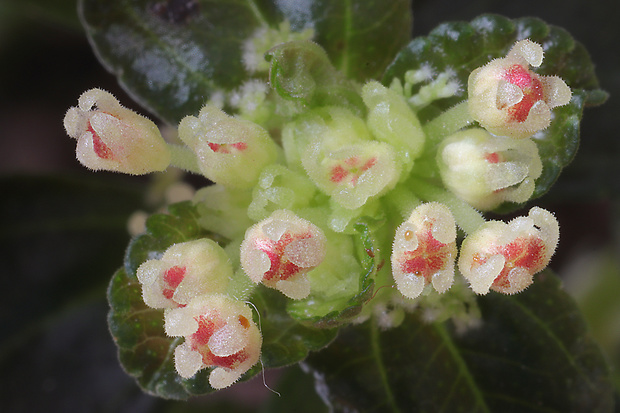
x: 182, y: 157
x: 403, y: 200
x: 466, y: 217
x: 450, y: 121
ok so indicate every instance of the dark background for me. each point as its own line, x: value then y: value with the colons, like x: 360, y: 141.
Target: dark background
x: 55, y: 352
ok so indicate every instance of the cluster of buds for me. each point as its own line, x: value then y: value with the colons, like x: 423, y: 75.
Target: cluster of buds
x: 500, y: 163
x: 189, y: 282
x: 337, y: 152
x: 497, y: 256
x: 334, y: 166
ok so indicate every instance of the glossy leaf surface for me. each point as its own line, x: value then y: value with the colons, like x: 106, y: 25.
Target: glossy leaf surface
x: 463, y: 46
x: 530, y: 354
x: 146, y: 352
x: 172, y: 56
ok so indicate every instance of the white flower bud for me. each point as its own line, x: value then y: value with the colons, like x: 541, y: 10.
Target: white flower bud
x: 219, y: 332
x: 504, y: 257
x: 114, y: 138
x: 508, y: 99
x: 230, y: 151
x: 280, y: 250
x: 185, y: 271
x: 486, y: 170
x: 424, y: 250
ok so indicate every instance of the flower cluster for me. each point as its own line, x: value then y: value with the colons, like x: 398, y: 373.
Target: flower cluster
x: 289, y: 192
x: 190, y: 281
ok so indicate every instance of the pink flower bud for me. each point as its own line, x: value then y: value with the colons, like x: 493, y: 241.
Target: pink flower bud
x: 114, y: 138
x: 424, y: 250
x: 486, y: 170
x: 230, y: 151
x: 185, y: 271
x: 354, y: 173
x: 219, y: 332
x: 280, y: 250
x: 504, y: 257
x: 508, y: 99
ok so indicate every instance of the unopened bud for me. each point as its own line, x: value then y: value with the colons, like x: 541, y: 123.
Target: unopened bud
x: 424, y: 250
x: 230, y: 151
x: 486, y: 170
x: 504, y: 257
x: 113, y: 138
x: 280, y: 250
x: 508, y: 99
x: 185, y: 271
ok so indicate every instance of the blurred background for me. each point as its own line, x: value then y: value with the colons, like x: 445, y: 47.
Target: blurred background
x: 58, y: 251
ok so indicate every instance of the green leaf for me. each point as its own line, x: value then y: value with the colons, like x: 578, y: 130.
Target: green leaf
x: 146, y: 352
x: 325, y: 312
x: 285, y: 340
x: 172, y: 56
x: 531, y: 353
x: 463, y: 46
x: 296, y: 394
x: 301, y: 72
x: 361, y: 36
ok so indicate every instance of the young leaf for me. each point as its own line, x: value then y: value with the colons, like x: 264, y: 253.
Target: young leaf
x: 531, y: 353
x: 172, y: 56
x: 462, y: 47
x: 301, y: 71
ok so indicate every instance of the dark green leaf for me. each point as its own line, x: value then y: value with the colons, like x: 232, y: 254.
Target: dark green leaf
x: 361, y: 36
x: 285, y: 340
x: 530, y: 354
x: 301, y: 72
x: 325, y: 312
x: 465, y: 46
x: 146, y: 352
x: 171, y: 56
x: 297, y: 394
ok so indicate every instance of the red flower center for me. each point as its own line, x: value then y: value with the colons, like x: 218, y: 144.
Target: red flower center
x: 100, y: 148
x: 281, y: 267
x: 429, y: 257
x: 199, y: 341
x: 532, y: 89
x: 352, y: 168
